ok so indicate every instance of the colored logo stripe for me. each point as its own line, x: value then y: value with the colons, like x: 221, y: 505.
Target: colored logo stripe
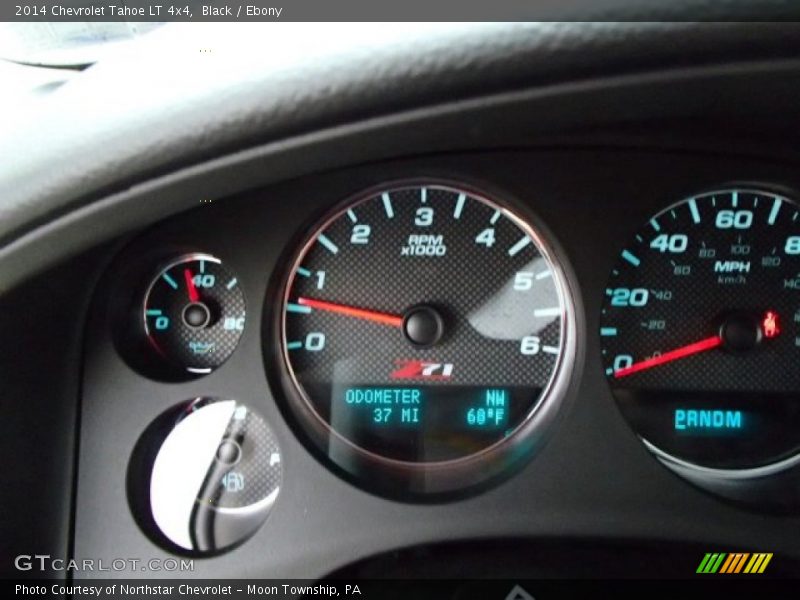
x: 721, y: 562
x: 758, y: 563
x: 711, y: 563
x: 734, y: 563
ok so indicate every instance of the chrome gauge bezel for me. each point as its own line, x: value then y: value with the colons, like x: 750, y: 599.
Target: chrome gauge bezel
x: 191, y: 371
x: 410, y: 479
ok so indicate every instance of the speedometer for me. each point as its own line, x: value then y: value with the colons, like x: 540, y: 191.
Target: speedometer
x: 426, y: 332
x: 700, y: 331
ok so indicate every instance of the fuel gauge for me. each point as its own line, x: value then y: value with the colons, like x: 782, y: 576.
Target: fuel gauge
x: 194, y: 313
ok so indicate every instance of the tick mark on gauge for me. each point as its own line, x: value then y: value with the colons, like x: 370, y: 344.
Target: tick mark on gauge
x: 773, y: 214
x: 695, y: 212
x: 631, y: 258
x: 423, y: 195
x: 294, y: 345
x: 323, y: 239
x: 522, y: 243
x: 352, y: 216
x: 459, y: 205
x: 232, y: 283
x: 547, y: 312
x: 495, y: 217
x: 654, y: 224
x: 297, y: 308
x: 303, y: 272
x: 172, y: 283
x: 608, y: 331
x: 544, y: 275
x: 551, y: 349
x: 387, y: 205
x: 735, y: 199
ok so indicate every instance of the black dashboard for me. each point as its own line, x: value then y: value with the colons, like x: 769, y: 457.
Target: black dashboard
x: 591, y: 203
x: 557, y: 320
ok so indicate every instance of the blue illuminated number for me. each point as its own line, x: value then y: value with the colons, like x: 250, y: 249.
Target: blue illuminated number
x: 739, y: 219
x: 315, y: 342
x: 523, y: 281
x: 792, y: 245
x: 320, y: 279
x: 636, y: 297
x: 162, y: 322
x: 204, y: 281
x: 676, y: 243
x: 360, y: 234
x: 622, y: 361
x: 381, y: 415
x: 424, y: 216
x: 529, y: 345
x: 486, y: 237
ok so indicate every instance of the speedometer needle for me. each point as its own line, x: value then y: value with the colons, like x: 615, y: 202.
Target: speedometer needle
x: 678, y: 353
x: 352, y: 311
x: 194, y: 296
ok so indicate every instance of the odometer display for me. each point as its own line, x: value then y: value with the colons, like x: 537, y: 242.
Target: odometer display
x: 700, y: 330
x: 423, y: 324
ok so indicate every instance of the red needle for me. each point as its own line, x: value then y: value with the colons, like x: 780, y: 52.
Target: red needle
x: 352, y: 311
x: 193, y: 295
x: 701, y: 346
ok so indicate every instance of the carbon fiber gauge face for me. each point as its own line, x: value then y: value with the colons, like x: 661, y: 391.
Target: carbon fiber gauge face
x: 701, y: 331
x: 194, y: 313
x: 207, y: 473
x: 423, y: 324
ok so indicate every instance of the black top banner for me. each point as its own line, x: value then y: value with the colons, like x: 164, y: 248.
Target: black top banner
x: 407, y: 10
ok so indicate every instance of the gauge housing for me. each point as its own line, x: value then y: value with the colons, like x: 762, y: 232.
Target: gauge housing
x: 699, y: 334
x: 398, y: 476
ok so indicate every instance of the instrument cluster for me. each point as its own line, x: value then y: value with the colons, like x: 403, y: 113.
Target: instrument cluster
x: 423, y: 336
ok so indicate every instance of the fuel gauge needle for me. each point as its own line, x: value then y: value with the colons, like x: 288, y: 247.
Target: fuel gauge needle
x: 672, y: 355
x: 352, y: 311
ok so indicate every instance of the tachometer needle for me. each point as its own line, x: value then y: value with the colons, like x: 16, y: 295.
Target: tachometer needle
x: 194, y: 296
x: 352, y: 311
x: 678, y: 353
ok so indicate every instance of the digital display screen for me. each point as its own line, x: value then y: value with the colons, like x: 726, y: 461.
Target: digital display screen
x: 430, y: 423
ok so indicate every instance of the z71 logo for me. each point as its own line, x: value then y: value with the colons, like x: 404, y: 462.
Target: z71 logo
x: 420, y: 369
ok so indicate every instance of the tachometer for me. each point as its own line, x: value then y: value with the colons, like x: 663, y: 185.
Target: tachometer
x: 701, y: 331
x: 423, y: 327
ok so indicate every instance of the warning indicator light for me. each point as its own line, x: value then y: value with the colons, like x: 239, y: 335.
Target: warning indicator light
x: 769, y: 324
